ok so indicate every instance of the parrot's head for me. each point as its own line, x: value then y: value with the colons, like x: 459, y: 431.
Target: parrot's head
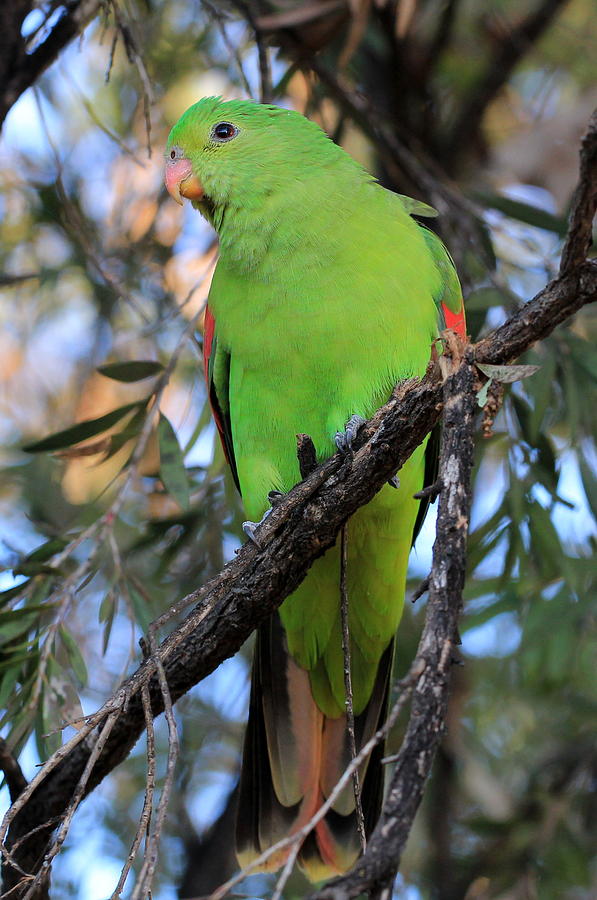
x: 239, y: 152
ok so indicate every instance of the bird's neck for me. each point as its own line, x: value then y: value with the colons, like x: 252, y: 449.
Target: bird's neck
x: 302, y: 220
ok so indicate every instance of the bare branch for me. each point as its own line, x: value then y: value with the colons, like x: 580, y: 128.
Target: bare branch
x: 584, y: 203
x: 344, y: 605
x: 12, y: 771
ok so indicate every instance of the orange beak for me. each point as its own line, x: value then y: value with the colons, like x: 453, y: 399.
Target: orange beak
x: 181, y: 182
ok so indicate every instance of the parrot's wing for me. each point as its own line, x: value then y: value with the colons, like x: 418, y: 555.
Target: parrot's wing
x: 451, y: 314
x: 417, y: 207
x: 449, y: 299
x: 216, y: 363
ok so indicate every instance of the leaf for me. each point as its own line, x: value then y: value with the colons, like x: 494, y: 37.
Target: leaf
x: 135, y: 370
x: 46, y: 550
x: 172, y: 470
x: 75, y: 657
x: 17, y: 622
x: 487, y: 298
x: 8, y: 681
x: 130, y: 431
x: 82, y: 430
x: 143, y: 612
x: 524, y: 212
x: 10, y: 593
x: 589, y: 481
x: 507, y: 374
x: 35, y: 563
x: 482, y: 394
x: 34, y: 567
x: 107, y: 612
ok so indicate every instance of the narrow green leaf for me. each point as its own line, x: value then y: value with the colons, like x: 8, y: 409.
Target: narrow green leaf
x: 172, y: 470
x: 507, y: 374
x: 135, y: 370
x: 488, y: 297
x: 15, y: 623
x: 8, y: 682
x: 34, y: 567
x: 46, y: 550
x: 589, y: 481
x: 524, y: 212
x: 10, y: 593
x: 75, y: 657
x: 143, y: 612
x: 82, y: 430
x: 130, y: 431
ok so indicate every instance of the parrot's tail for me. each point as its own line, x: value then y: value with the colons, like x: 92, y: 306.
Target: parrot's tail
x: 293, y: 757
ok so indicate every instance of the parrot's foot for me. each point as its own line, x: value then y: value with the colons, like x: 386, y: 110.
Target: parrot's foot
x: 394, y: 482
x: 345, y: 439
x: 274, y: 498
x: 250, y: 528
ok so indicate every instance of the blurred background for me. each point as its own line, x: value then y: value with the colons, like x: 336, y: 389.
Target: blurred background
x: 475, y: 108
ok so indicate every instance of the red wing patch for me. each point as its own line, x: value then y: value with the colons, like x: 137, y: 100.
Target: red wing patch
x: 209, y: 327
x: 221, y: 418
x: 455, y: 321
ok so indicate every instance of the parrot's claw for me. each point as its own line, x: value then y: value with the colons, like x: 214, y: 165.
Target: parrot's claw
x: 345, y: 439
x: 250, y: 528
x: 394, y: 481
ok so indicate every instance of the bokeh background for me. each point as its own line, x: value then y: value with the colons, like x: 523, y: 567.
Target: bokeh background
x: 478, y: 108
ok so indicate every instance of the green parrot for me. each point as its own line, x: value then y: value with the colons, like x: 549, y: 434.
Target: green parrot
x: 326, y: 293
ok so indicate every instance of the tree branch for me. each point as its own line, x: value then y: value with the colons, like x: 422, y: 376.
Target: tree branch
x: 508, y: 53
x: 21, y: 69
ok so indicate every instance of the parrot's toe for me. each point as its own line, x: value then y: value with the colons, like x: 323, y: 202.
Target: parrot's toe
x: 250, y: 528
x: 345, y: 439
x: 394, y: 481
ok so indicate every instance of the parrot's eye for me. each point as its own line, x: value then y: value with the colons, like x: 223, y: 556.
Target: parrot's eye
x: 173, y: 154
x: 224, y: 131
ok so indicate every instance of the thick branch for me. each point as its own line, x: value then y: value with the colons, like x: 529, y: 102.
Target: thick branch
x: 22, y: 69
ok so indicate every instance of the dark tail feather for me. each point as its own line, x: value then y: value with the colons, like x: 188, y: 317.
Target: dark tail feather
x: 285, y: 776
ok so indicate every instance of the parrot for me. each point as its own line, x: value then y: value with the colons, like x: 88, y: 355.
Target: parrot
x: 326, y: 293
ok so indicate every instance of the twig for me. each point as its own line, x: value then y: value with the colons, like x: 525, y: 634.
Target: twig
x: 146, y: 875
x: 348, y: 683
x: 145, y: 817
x: 306, y: 453
x: 13, y: 773
x: 72, y: 806
x: 231, y: 47
x: 265, y: 76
